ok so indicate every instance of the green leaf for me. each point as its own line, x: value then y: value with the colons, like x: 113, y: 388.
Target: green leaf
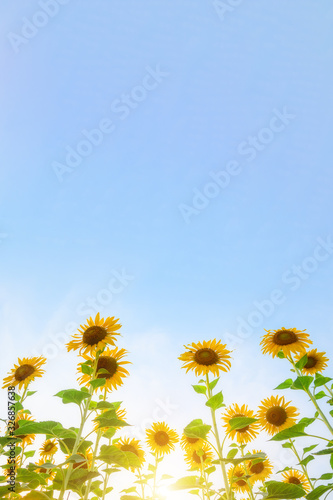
x: 5, y: 440
x: 320, y: 395
x: 302, y: 383
x: 286, y: 491
x: 48, y: 427
x: 77, y: 478
x: 113, y: 455
x: 302, y: 362
x: 317, y: 492
x: 281, y: 355
x: 130, y: 497
x: 35, y: 495
x: 86, y: 369
x: 110, y: 422
x: 69, y: 443
x: 29, y: 454
x: 325, y: 477
x: 108, y: 434
x: 309, y: 448
x: 106, y: 404
x: 285, y: 385
x: 216, y: 401
x: 28, y: 476
x: 213, y: 383
x: 72, y: 396
x: 238, y: 423
x: 184, y: 483
x: 321, y: 380
x: 255, y: 458
x: 200, y: 389
x: 98, y: 382
x: 306, y: 460
x: 232, y: 453
x: 296, y: 430
x: 197, y: 429
x: 327, y: 451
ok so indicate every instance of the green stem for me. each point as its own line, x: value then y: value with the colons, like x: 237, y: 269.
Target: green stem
x: 329, y: 390
x: 203, y: 476
x: 24, y: 395
x: 299, y: 460
x: 91, y: 468
x: 247, y: 473
x: 311, y: 396
x: 106, y: 479
x: 79, y: 434
x: 218, y: 442
x: 98, y: 438
x: 141, y: 483
x: 155, y: 473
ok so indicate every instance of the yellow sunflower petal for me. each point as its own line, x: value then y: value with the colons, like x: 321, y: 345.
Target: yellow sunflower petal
x: 25, y: 372
x: 206, y: 357
x: 95, y: 335
x: 288, y: 340
x: 161, y: 439
x: 275, y: 414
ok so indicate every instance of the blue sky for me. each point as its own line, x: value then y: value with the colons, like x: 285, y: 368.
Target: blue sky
x: 219, y: 81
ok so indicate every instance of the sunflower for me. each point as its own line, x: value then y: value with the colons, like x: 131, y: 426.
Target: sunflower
x: 206, y: 357
x: 48, y: 449
x: 288, y: 340
x: 109, y: 361
x: 42, y: 470
x: 9, y: 468
x: 195, y: 459
x: 132, y: 445
x: 259, y: 471
x: 25, y: 372
x: 239, y: 485
x: 193, y: 444
x: 317, y: 362
x: 296, y: 477
x: 95, y: 335
x: 120, y: 413
x: 26, y: 438
x: 275, y: 414
x: 161, y: 439
x: 87, y: 458
x: 247, y: 433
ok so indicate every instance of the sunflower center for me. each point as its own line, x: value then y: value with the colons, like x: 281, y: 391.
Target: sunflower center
x: 23, y: 372
x: 21, y: 436
x: 276, y: 416
x: 241, y: 482
x: 94, y: 334
x: 43, y: 471
x: 48, y: 447
x: 197, y: 459
x: 284, y: 337
x: 206, y: 356
x: 192, y: 440
x: 108, y: 363
x: 161, y: 438
x: 257, y: 468
x: 243, y: 429
x: 311, y: 362
x: 82, y: 465
x: 294, y: 480
x: 129, y: 447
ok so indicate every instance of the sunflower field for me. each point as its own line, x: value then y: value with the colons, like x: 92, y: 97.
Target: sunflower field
x: 85, y: 460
